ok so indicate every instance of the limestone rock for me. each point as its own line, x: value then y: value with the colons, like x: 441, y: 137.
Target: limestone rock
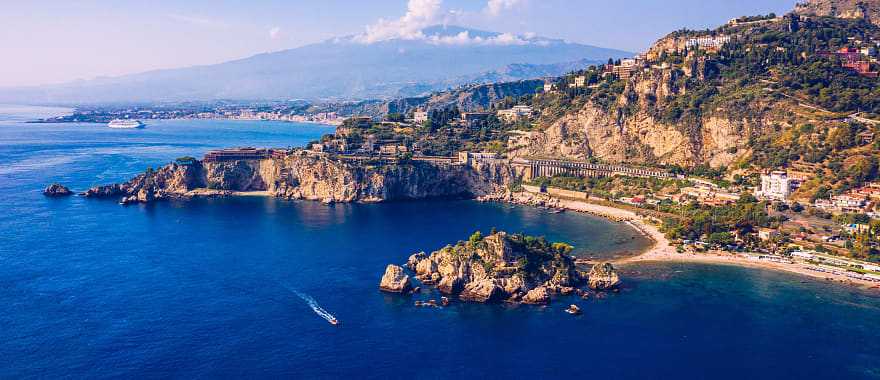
x: 414, y: 260
x: 484, y: 290
x: 395, y: 280
x: 450, y: 285
x: 537, y: 296
x: 603, y: 277
x: 57, y: 190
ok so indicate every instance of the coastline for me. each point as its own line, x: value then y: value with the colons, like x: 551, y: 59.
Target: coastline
x: 662, y: 249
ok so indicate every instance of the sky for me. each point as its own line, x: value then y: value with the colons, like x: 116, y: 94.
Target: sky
x: 56, y: 41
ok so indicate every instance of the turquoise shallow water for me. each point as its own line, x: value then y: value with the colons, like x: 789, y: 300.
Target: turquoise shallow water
x: 211, y: 288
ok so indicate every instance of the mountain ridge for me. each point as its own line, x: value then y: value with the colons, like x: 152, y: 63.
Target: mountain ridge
x: 338, y: 68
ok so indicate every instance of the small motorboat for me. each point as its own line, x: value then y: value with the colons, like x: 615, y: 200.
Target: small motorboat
x: 333, y: 321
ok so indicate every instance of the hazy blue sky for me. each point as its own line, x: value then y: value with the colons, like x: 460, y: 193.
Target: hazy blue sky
x: 50, y: 41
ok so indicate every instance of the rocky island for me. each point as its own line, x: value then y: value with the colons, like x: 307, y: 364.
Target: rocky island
x: 57, y: 190
x: 514, y: 268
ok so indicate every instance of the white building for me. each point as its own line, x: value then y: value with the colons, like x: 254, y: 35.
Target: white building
x: 513, y: 114
x: 580, y: 81
x: 775, y: 186
x: 849, y: 203
x: 420, y: 116
x: 707, y: 42
x: 549, y: 87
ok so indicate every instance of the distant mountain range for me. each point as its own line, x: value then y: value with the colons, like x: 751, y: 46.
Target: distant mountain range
x: 341, y: 68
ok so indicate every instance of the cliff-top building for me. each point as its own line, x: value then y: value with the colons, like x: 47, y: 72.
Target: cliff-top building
x: 513, y: 114
x: 420, y: 116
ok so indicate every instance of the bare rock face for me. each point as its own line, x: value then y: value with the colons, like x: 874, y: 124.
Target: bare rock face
x: 537, y: 296
x: 851, y: 9
x: 57, y: 190
x: 171, y: 180
x: 450, y: 285
x: 395, y: 280
x: 603, y: 277
x: 414, y: 260
x: 484, y: 290
x: 634, y: 130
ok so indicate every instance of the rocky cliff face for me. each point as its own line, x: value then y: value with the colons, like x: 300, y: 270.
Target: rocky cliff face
x: 634, y: 130
x: 305, y: 176
x: 499, y: 267
x: 852, y: 9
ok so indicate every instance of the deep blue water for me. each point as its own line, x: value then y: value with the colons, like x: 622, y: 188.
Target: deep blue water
x: 209, y: 288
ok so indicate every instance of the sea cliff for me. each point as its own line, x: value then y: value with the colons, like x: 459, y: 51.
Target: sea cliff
x: 303, y: 175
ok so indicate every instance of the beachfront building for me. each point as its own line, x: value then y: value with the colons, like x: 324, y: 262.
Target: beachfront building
x: 775, y: 186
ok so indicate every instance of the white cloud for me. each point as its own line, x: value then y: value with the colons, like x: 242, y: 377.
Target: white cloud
x: 197, y: 21
x: 496, y: 7
x: 419, y: 14
x: 464, y: 38
x: 423, y: 13
x: 275, y: 33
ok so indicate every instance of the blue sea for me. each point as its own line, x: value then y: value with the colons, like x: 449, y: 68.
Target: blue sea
x: 239, y: 288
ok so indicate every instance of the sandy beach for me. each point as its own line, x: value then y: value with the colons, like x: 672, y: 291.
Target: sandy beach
x: 663, y: 251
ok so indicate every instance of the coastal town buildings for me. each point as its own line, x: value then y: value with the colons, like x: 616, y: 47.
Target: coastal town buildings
x: 853, y: 59
x: 710, y: 195
x: 710, y: 43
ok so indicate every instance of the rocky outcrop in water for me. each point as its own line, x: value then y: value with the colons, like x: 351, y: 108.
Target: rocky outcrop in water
x: 603, y: 277
x: 301, y: 175
x: 499, y: 267
x: 395, y: 280
x: 537, y: 296
x: 57, y: 190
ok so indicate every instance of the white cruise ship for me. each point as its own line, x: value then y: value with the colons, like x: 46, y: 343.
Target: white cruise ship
x: 125, y: 124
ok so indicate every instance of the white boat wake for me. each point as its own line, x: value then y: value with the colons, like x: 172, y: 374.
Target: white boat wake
x: 315, y: 307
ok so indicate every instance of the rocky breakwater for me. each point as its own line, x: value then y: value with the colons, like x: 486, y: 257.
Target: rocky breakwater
x: 499, y: 267
x: 303, y: 175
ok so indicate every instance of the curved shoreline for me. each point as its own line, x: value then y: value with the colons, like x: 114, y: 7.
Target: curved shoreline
x: 663, y: 251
